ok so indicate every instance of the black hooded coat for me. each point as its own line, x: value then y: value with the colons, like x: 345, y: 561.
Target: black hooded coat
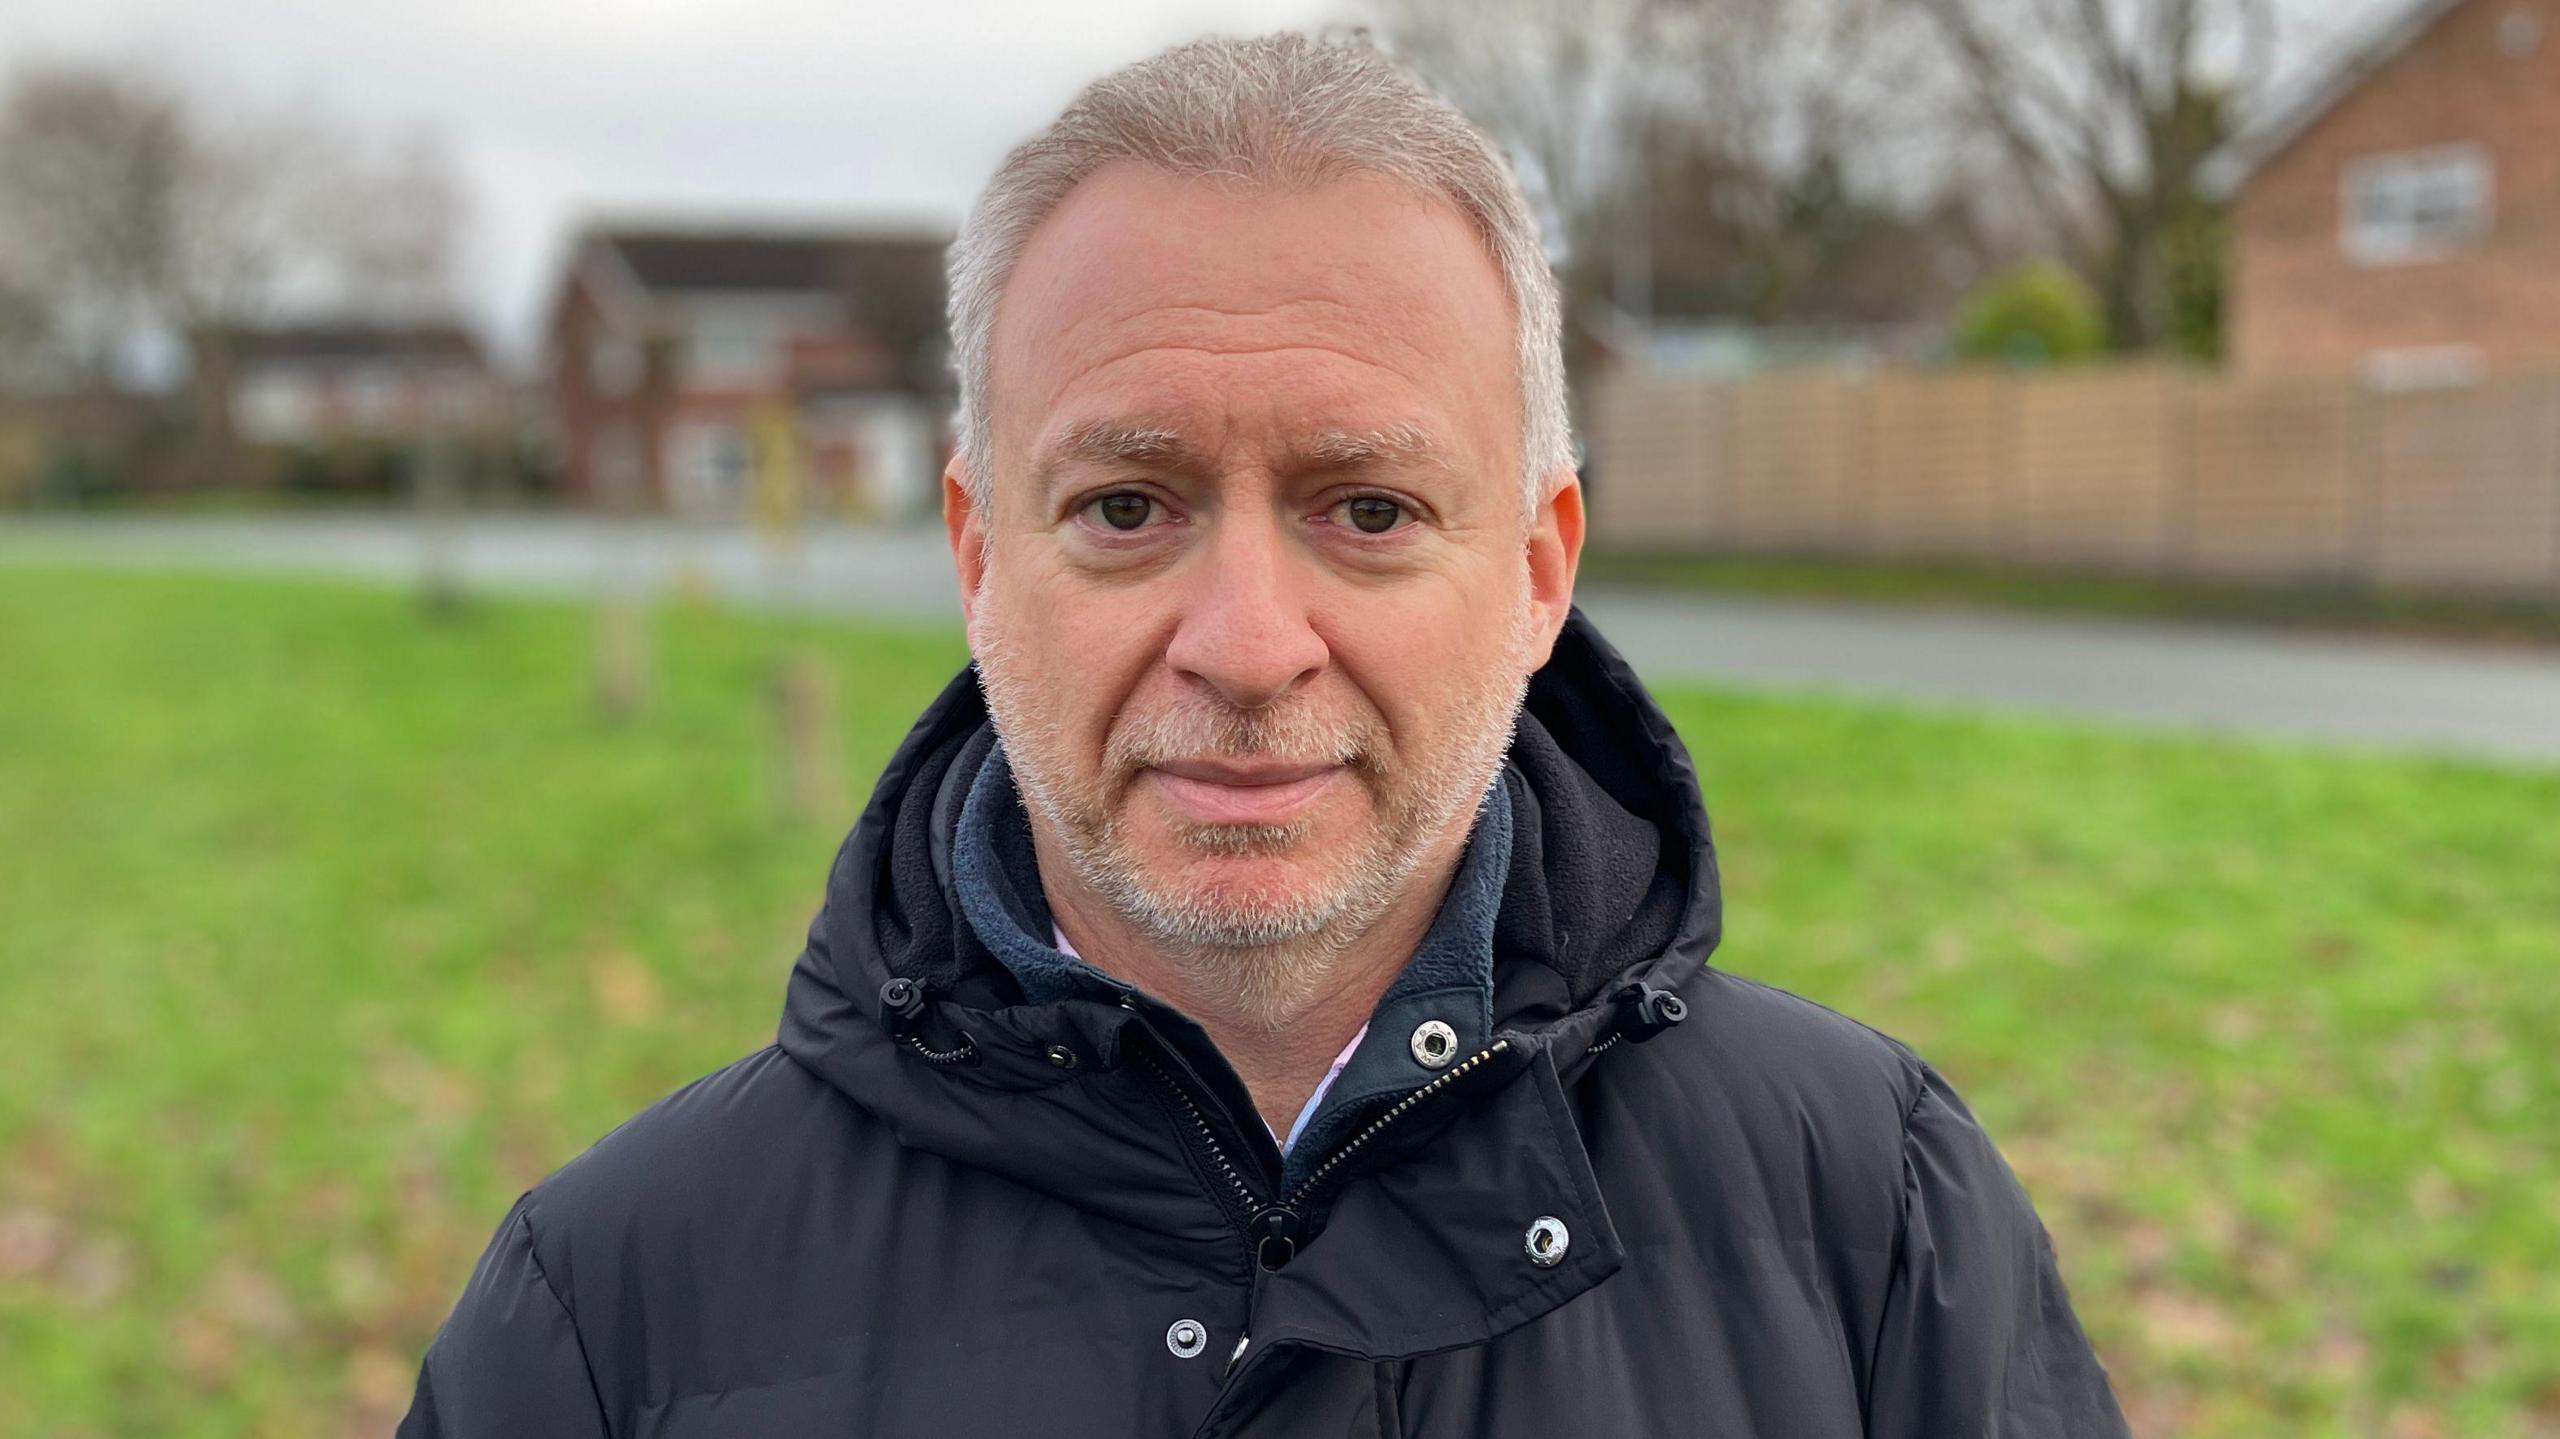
x: 1660, y: 1200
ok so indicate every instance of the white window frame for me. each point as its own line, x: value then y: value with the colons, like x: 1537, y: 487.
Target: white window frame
x: 2463, y: 182
x: 2424, y: 367
x: 275, y: 406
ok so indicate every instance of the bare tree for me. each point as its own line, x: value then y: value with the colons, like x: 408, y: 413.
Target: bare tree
x: 2105, y: 113
x: 22, y: 333
x: 136, y: 212
x: 1783, y: 83
x: 386, y: 219
x: 138, y: 224
x: 1562, y: 84
x: 1744, y: 158
x: 1782, y: 171
x: 94, y: 175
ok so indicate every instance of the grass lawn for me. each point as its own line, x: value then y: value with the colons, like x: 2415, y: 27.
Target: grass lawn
x: 2340, y: 608
x: 327, y: 927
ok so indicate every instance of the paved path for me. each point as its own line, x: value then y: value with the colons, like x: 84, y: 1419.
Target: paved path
x: 904, y: 573
x: 2387, y: 693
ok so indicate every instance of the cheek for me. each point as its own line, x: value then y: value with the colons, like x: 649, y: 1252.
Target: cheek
x: 1419, y: 656
x: 1075, y: 656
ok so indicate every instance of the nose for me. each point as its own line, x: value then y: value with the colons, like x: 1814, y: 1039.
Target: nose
x: 1244, y: 630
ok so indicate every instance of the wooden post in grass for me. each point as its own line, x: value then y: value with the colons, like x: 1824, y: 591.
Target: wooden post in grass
x: 622, y: 654
x: 436, y: 489
x: 776, y: 492
x: 808, y: 773
x: 800, y: 691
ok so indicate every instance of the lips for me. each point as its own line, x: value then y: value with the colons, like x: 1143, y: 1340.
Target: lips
x: 1243, y: 792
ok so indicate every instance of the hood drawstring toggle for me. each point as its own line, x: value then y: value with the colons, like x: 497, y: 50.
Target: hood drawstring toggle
x: 902, y: 1007
x: 1643, y: 1012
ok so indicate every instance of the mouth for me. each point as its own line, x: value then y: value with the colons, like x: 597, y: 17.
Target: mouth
x: 1234, y: 792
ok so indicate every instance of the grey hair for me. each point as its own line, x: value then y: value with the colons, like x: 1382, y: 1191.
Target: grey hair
x: 1285, y: 109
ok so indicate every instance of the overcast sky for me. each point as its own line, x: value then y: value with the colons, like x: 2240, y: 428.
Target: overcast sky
x: 551, y: 110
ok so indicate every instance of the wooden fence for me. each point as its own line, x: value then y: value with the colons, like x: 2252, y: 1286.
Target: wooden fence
x: 2128, y: 470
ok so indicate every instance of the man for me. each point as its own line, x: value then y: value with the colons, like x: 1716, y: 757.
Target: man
x: 1268, y: 996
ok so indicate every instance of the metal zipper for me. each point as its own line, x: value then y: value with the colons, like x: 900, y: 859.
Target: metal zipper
x: 960, y: 1053
x: 1272, y: 1232
x: 1197, y: 1120
x: 1294, y: 1209
x: 1298, y: 1199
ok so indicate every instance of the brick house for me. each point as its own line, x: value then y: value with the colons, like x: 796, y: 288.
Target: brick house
x: 299, y: 386
x: 357, y: 406
x: 2401, y: 217
x: 697, y: 369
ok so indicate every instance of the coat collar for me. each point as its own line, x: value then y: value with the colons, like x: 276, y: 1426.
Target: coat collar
x: 1611, y: 883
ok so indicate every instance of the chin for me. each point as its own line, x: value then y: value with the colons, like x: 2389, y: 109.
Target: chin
x: 1264, y: 882
x: 1247, y: 892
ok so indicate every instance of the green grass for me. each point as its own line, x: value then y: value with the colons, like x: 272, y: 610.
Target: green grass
x: 326, y: 927
x: 2343, y: 608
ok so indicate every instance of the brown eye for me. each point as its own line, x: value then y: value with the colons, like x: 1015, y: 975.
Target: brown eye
x: 1373, y: 516
x: 1123, y: 511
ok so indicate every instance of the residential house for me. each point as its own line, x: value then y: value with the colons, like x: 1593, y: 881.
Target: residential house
x: 718, y: 371
x: 2400, y: 217
x: 313, y: 385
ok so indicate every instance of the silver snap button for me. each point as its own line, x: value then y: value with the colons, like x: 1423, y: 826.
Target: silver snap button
x: 1187, y: 1338
x: 1434, y: 1044
x: 1546, y: 1241
x: 1062, y: 1057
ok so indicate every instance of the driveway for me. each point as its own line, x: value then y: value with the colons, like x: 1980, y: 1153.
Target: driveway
x: 2383, y: 693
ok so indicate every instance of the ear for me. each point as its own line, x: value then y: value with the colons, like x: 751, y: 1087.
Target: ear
x: 1555, y: 555
x: 968, y: 531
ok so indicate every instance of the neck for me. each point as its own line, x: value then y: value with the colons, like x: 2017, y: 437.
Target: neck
x: 1281, y: 1054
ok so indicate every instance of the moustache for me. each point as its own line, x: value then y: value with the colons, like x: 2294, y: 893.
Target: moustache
x: 1194, y: 727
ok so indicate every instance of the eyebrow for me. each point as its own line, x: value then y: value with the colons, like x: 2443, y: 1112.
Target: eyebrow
x: 1106, y: 442
x: 1110, y: 442
x: 1406, y: 443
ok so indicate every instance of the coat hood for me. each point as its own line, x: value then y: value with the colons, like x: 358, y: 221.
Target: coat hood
x: 1611, y: 885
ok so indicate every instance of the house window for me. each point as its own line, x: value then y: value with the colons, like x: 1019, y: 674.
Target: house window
x: 614, y: 365
x: 2519, y: 34
x: 713, y: 466
x: 735, y: 349
x: 373, y: 396
x: 276, y: 409
x: 2423, y: 367
x: 621, y: 467
x: 2416, y: 204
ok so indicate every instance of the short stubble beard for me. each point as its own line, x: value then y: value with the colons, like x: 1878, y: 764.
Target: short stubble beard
x: 1266, y: 957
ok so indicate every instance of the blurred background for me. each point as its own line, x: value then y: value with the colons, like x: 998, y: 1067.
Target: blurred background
x: 2083, y: 474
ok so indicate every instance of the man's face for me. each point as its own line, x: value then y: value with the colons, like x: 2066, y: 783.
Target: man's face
x: 1259, y: 592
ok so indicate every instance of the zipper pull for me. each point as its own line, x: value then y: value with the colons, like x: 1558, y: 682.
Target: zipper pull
x: 1276, y: 1233
x: 1232, y: 1359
